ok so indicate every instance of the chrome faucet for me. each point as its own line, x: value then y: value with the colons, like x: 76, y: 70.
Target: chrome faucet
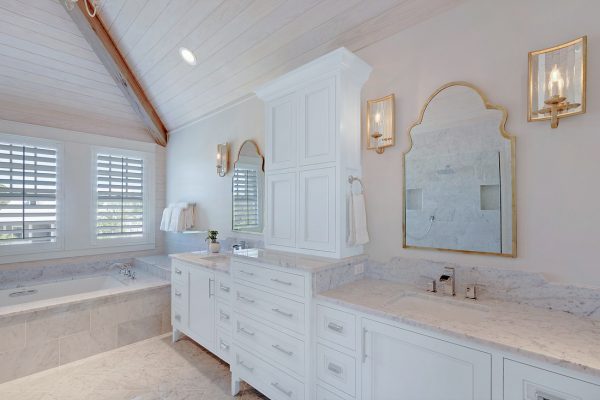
x: 448, y: 281
x: 239, y: 246
x: 126, y: 271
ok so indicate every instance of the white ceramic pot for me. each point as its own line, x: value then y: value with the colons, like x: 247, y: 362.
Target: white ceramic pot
x: 214, y: 247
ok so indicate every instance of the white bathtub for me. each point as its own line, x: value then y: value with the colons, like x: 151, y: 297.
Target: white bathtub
x: 45, y: 295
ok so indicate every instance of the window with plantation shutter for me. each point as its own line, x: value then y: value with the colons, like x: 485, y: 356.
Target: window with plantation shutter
x: 28, y: 194
x: 119, y: 197
x: 246, y: 206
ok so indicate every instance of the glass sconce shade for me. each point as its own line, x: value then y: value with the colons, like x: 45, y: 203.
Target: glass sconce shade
x: 380, y: 123
x: 222, y: 159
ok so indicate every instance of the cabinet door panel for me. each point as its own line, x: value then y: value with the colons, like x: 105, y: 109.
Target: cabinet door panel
x: 317, y: 123
x: 400, y: 364
x: 281, y: 209
x: 317, y: 209
x: 201, y: 308
x: 281, y: 133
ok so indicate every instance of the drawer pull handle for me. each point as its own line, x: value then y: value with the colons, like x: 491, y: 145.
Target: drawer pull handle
x: 245, y: 299
x: 246, y: 272
x: 243, y: 364
x: 177, y: 293
x: 336, y: 369
x: 224, y: 288
x: 545, y: 396
x: 177, y: 271
x: 335, y: 327
x: 245, y: 331
x: 281, y: 349
x: 285, y: 314
x: 178, y: 317
x: 281, y: 282
x: 224, y: 346
x: 224, y: 316
x: 277, y: 386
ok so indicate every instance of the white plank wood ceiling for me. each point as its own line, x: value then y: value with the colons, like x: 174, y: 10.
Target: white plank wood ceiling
x: 240, y: 44
x: 50, y: 76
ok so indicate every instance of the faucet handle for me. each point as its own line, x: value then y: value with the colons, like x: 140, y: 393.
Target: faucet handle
x: 430, y: 283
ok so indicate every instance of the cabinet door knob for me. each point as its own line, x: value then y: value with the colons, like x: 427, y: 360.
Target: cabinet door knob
x: 177, y: 293
x: 177, y: 271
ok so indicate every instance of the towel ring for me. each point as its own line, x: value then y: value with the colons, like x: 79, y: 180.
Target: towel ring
x: 352, y: 179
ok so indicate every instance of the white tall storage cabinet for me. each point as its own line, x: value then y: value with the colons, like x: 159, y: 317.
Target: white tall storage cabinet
x: 312, y: 146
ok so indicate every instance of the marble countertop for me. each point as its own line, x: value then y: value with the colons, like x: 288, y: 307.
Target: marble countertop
x: 293, y: 260
x: 555, y: 337
x: 216, y: 261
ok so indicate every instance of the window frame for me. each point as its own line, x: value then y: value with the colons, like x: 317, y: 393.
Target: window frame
x: 148, y: 234
x: 17, y: 249
x: 260, y: 189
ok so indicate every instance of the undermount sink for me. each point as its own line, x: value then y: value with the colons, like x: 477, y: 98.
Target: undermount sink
x: 209, y: 258
x: 439, y: 307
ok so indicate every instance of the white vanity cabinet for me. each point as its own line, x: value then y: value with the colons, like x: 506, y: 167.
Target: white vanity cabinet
x: 200, y: 306
x: 400, y: 362
x: 312, y: 145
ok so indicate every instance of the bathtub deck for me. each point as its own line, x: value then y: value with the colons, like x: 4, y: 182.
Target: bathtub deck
x: 150, y: 370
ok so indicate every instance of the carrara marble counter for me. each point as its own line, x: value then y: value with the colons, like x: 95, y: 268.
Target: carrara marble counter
x: 216, y: 261
x: 555, y: 337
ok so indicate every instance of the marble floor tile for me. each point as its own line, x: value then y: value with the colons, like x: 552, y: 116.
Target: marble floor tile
x: 154, y: 369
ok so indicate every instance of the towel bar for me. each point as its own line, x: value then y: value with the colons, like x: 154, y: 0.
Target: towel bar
x: 352, y: 179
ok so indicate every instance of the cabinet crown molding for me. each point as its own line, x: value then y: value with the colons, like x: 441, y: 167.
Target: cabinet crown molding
x: 338, y: 61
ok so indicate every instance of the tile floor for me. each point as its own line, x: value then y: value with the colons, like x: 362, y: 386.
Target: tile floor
x: 154, y: 369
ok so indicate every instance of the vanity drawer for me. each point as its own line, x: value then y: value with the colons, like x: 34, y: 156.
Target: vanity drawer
x: 278, y: 280
x: 284, y: 312
x: 267, y: 379
x: 324, y: 394
x: 224, y: 347
x: 525, y: 382
x: 223, y: 287
x: 224, y: 315
x: 178, y: 318
x: 179, y: 272
x: 270, y: 343
x: 178, y: 294
x: 336, y: 369
x: 336, y: 326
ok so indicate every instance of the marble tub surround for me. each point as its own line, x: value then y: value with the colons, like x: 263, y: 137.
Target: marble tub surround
x: 495, y: 284
x: 31, y: 275
x: 549, y: 336
x: 48, y: 337
x: 158, y: 265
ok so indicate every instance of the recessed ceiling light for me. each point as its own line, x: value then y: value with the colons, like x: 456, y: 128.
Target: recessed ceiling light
x: 187, y: 55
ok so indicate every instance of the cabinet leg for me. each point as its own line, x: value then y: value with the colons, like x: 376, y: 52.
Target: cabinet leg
x: 235, y: 384
x: 177, y: 335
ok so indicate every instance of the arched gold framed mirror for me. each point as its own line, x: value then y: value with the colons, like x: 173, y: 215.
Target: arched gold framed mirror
x: 247, y: 189
x: 459, y: 176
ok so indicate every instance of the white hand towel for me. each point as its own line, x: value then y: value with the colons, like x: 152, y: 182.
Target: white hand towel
x: 357, y: 220
x: 177, y: 223
x: 166, y: 219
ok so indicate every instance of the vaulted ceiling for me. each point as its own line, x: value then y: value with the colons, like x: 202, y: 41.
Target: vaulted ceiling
x: 49, y: 74
x: 241, y: 44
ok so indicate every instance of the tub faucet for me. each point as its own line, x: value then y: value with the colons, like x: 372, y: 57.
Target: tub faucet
x: 448, y: 281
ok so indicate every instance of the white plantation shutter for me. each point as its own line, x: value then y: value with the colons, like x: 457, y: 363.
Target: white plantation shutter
x: 120, y: 197
x: 28, y: 192
x: 245, y: 199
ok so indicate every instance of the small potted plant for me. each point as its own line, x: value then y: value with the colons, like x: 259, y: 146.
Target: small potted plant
x: 213, y: 245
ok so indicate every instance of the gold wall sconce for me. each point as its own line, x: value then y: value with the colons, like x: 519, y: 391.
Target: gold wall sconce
x: 380, y: 124
x: 557, y: 81
x: 222, y: 159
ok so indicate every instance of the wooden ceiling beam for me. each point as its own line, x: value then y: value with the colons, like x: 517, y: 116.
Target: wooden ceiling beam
x: 96, y: 34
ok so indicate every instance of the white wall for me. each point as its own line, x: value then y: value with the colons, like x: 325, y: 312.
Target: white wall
x: 191, y: 167
x: 486, y: 43
x: 77, y: 192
